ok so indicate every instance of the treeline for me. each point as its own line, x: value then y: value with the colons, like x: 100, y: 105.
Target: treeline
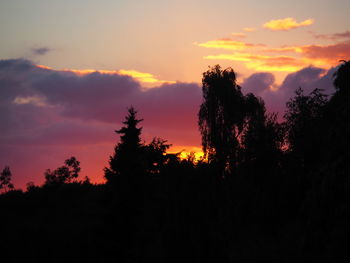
x: 265, y: 191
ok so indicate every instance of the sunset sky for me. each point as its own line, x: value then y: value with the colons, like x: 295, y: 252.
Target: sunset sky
x: 70, y: 69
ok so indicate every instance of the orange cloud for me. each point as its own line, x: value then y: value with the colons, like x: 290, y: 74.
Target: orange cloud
x: 318, y: 55
x: 286, y: 24
x: 43, y: 67
x: 277, y: 64
x: 138, y: 75
x: 326, y: 54
x: 143, y: 77
x: 285, y: 49
x: 285, y: 58
x: 263, y: 62
x: 226, y: 44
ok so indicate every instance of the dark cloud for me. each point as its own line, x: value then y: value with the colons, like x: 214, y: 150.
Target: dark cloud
x: 336, y: 36
x: 48, y: 109
x: 275, y: 99
x: 308, y: 79
x: 48, y: 115
x: 41, y: 51
x: 258, y: 83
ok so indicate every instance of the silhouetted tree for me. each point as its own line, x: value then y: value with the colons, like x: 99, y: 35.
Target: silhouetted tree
x: 304, y: 116
x: 127, y: 157
x: 155, y: 155
x: 31, y: 186
x: 337, y: 119
x: 342, y: 77
x: 221, y: 117
x: 64, y: 174
x: 5, y: 179
x: 262, y: 137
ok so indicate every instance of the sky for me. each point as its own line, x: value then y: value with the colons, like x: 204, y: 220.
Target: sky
x: 70, y: 69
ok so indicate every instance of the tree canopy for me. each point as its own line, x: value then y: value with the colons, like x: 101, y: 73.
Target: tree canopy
x: 221, y: 116
x: 5, y: 179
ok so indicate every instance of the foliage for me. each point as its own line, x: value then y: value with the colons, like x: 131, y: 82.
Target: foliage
x: 5, y: 179
x: 132, y: 158
x: 263, y: 136
x: 64, y: 174
x: 304, y: 125
x: 221, y: 116
x: 127, y: 158
x: 155, y: 155
x: 342, y: 77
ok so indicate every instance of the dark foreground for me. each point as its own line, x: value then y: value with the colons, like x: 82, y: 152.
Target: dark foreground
x: 182, y: 217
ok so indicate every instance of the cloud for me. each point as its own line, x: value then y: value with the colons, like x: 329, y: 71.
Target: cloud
x: 262, y: 62
x: 275, y: 97
x: 326, y: 54
x: 318, y: 55
x: 35, y: 100
x: 308, y: 79
x: 41, y: 51
x: 276, y: 60
x: 258, y: 83
x: 48, y: 115
x: 228, y: 44
x: 146, y: 78
x: 286, y: 24
x: 335, y: 36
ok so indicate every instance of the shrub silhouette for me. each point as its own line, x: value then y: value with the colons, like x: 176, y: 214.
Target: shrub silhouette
x: 5, y: 179
x: 64, y: 174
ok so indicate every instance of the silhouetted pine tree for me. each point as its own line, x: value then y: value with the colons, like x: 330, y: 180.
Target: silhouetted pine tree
x: 127, y: 157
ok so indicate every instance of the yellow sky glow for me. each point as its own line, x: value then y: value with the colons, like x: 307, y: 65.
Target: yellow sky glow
x: 262, y: 62
x: 186, y: 150
x: 143, y: 77
x: 225, y: 44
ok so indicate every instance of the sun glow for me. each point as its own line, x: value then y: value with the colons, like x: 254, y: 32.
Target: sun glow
x: 185, y: 151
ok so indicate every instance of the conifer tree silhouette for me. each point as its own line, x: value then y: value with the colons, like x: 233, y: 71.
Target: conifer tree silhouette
x: 127, y: 157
